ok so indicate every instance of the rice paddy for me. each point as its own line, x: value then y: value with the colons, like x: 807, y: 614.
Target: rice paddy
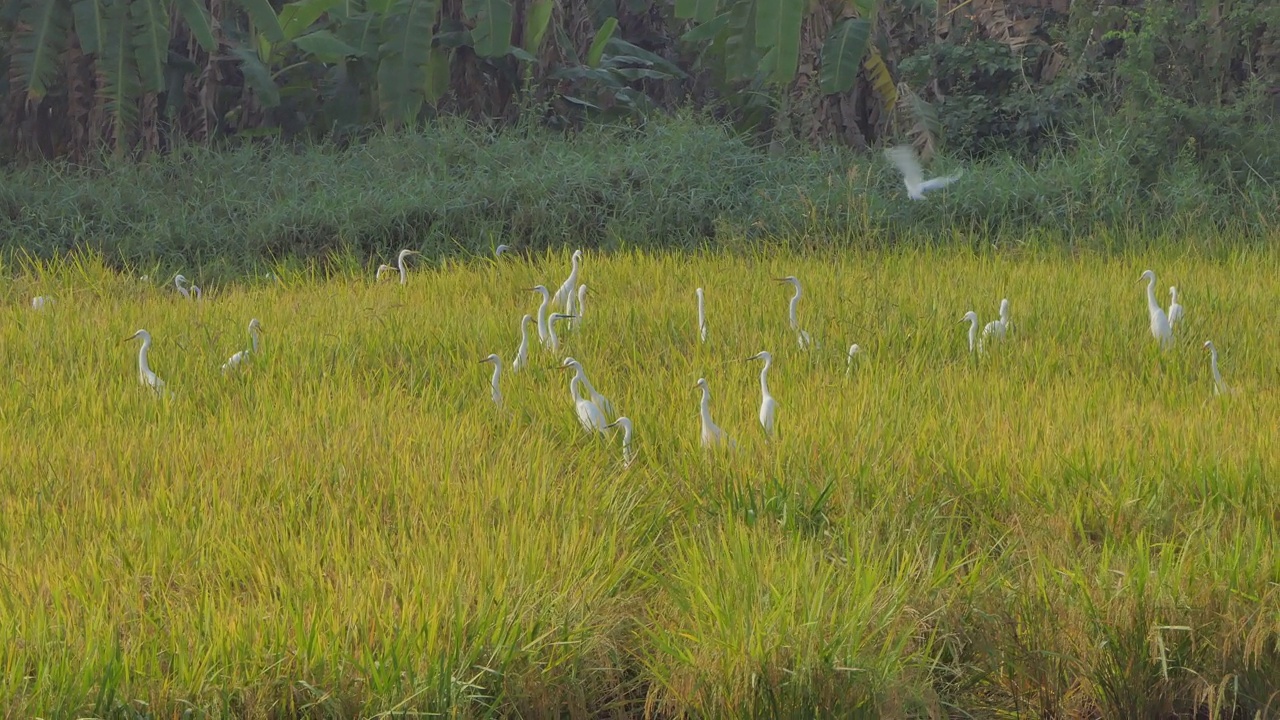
x: 1071, y: 524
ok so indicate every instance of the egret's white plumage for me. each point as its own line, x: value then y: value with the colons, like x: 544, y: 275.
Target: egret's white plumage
x: 497, y: 252
x: 40, y: 301
x: 972, y: 318
x: 383, y: 269
x: 234, y: 361
x: 542, y: 312
x: 712, y: 434
x: 553, y: 340
x: 1175, y: 309
x: 601, y: 401
x: 590, y: 416
x: 1219, y: 387
x: 702, y: 316
x: 1161, y: 330
x: 404, y: 272
x: 904, y: 158
x: 146, y: 376
x: 768, y: 406
x: 196, y: 292
x: 625, y: 424
x: 178, y: 281
x: 581, y: 307
x: 854, y: 349
x: 493, y: 383
x: 802, y: 337
x: 522, y: 352
x: 996, y: 329
x: 562, y: 295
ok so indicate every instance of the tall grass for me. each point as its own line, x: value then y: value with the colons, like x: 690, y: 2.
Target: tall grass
x: 1072, y: 525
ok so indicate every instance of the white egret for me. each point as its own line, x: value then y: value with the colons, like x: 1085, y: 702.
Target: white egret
x: 571, y: 306
x: 854, y: 349
x: 571, y: 284
x: 1161, y: 330
x: 712, y: 434
x: 196, y: 292
x: 768, y: 406
x: 497, y: 372
x: 601, y: 401
x: 1219, y: 387
x: 497, y: 252
x: 702, y: 316
x: 625, y: 424
x: 383, y: 269
x: 996, y: 328
x: 146, y: 376
x: 904, y: 158
x: 404, y: 274
x: 542, y: 311
x: 234, y: 361
x: 1175, y: 310
x: 553, y: 341
x: 178, y: 281
x: 582, y: 306
x: 802, y: 337
x: 40, y: 301
x: 589, y: 414
x: 522, y: 352
x: 972, y: 318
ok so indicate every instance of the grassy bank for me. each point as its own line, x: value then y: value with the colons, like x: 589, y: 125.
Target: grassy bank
x: 456, y: 190
x: 1071, y: 526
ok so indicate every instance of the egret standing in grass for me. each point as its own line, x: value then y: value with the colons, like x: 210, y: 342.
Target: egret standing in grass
x: 234, y: 361
x: 571, y: 284
x: 146, y: 376
x: 802, y: 337
x: 625, y: 424
x: 768, y: 406
x: 1161, y: 330
x: 972, y: 318
x: 702, y: 316
x: 1219, y: 387
x: 542, y: 312
x: 179, y: 282
x: 590, y: 417
x: 497, y: 252
x: 996, y: 328
x: 40, y: 301
x: 497, y: 372
x: 553, y: 340
x: 712, y: 434
x: 1175, y: 310
x: 522, y: 352
x: 601, y: 401
x: 581, y: 308
x: 904, y: 158
x: 854, y: 349
x: 404, y: 273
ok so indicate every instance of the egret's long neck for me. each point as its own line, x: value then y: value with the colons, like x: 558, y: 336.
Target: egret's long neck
x: 1151, y: 294
x: 764, y: 378
x: 795, y: 303
x: 1213, y: 365
x: 253, y: 337
x: 706, y: 408
x: 143, y: 367
x: 574, y: 391
x: 497, y: 371
x: 973, y: 333
x: 404, y: 276
x: 524, y: 334
x: 1004, y: 313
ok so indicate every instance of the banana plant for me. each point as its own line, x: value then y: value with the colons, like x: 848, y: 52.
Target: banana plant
x: 604, y: 81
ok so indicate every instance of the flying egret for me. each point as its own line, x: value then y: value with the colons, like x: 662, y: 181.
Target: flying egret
x: 904, y: 158
x: 854, y: 349
x: 1219, y: 387
x: 589, y: 414
x: 702, y: 316
x: 404, y: 274
x: 768, y: 406
x: 234, y: 361
x: 497, y: 372
x: 711, y: 433
x: 522, y: 352
x: 497, y: 252
x: 146, y: 376
x: 625, y: 424
x: 996, y: 328
x: 40, y: 301
x: 582, y: 306
x: 601, y: 401
x: 542, y: 311
x: 382, y: 270
x: 1175, y: 310
x: 178, y: 280
x: 802, y: 337
x: 553, y: 341
x: 972, y: 318
x: 571, y: 284
x: 1161, y: 330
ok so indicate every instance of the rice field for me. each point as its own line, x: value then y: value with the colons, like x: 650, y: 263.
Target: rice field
x: 1072, y: 524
